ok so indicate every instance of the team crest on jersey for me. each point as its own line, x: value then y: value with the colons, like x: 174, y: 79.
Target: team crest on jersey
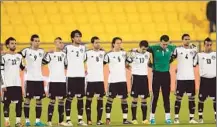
x: 213, y: 57
x: 40, y: 54
x: 81, y: 50
x: 100, y: 55
x: 18, y: 59
x: 203, y: 58
x: 191, y: 53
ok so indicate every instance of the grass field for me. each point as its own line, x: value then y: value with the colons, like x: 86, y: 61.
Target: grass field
x: 116, y: 115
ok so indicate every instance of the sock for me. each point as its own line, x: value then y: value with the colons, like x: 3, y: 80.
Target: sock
x: 124, y: 107
x: 17, y: 120
x: 18, y: 109
x: 88, y: 109
x: 68, y: 108
x: 6, y: 119
x: 61, y: 111
x: 177, y: 106
x: 6, y: 109
x: 167, y: 116
x: 152, y: 116
x: 144, y: 110
x: 38, y: 108
x: 200, y: 109
x: 176, y: 116
x: 99, y: 109
x: 37, y: 120
x: 214, y: 107
x: 26, y: 110
x: 80, y: 106
x: 133, y: 109
x: 191, y: 107
x: 50, y: 110
x: 108, y: 108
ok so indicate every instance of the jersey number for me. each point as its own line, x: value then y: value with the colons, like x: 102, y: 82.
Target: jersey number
x: 14, y: 62
x: 59, y: 58
x: 97, y: 59
x: 35, y: 57
x: 186, y: 57
x: 119, y: 59
x: 77, y: 53
x: 208, y: 61
x: 142, y: 60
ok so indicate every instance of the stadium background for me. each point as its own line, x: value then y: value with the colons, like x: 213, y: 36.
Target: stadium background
x: 131, y: 20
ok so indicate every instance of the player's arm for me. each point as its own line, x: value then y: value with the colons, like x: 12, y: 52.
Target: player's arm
x: 3, y: 74
x: 22, y: 66
x: 150, y: 62
x: 46, y: 59
x: 195, y: 59
x: 65, y: 63
x: 23, y: 52
x: 106, y: 59
x: 174, y: 54
x: 129, y: 58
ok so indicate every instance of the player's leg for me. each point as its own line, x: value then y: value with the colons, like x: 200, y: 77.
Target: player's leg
x: 69, y: 98
x: 89, y: 95
x: 203, y: 94
x: 134, y: 110
x: 61, y: 111
x: 18, y: 109
x: 112, y: 92
x: 122, y: 90
x: 144, y: 111
x: 213, y: 94
x: 29, y: 91
x: 80, y: 90
x: 191, y: 98
x: 166, y: 96
x: 50, y: 111
x: 100, y: 92
x: 6, y: 107
x: 180, y: 89
x: 155, y: 89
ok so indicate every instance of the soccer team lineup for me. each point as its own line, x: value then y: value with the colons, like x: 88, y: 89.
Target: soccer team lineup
x: 76, y: 73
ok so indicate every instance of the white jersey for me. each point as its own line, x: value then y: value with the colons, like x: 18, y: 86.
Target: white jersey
x: 94, y: 61
x: 33, y: 59
x: 207, y: 64
x: 186, y: 60
x: 116, y: 62
x: 75, y: 60
x: 140, y: 63
x: 10, y: 70
x: 56, y: 64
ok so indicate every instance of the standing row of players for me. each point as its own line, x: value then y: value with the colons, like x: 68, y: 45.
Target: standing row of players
x: 73, y: 57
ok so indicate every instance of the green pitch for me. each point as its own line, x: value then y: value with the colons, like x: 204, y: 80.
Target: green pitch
x: 116, y: 115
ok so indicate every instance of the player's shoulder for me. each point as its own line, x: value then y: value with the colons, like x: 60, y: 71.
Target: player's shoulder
x: 109, y: 52
x: 25, y: 49
x: 41, y: 50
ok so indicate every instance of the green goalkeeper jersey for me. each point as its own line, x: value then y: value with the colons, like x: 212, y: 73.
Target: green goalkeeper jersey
x: 161, y: 57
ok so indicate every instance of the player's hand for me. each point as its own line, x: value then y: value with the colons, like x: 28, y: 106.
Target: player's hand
x: 4, y: 89
x: 176, y: 71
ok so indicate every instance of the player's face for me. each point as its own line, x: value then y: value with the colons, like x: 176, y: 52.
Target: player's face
x: 164, y: 44
x: 77, y: 38
x: 59, y: 44
x: 208, y: 45
x: 96, y: 44
x: 143, y: 48
x: 12, y: 45
x: 36, y: 42
x: 118, y: 44
x: 186, y: 40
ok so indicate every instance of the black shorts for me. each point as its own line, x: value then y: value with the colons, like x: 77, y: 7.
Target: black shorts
x: 185, y: 86
x: 12, y: 95
x: 207, y: 88
x: 75, y: 87
x: 57, y: 90
x: 34, y: 89
x: 118, y: 89
x: 96, y: 88
x: 140, y: 86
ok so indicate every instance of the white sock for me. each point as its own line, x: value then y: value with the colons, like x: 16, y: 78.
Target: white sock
x: 67, y: 117
x: 152, y: 116
x: 200, y: 113
x: 37, y: 120
x: 80, y: 117
x: 191, y: 115
x: 17, y: 120
x: 27, y: 120
x: 167, y: 116
x: 176, y: 116
x: 125, y: 116
x: 108, y: 115
x: 6, y: 119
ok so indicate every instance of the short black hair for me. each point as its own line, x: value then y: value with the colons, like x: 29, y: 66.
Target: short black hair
x: 114, y: 40
x: 7, y: 42
x: 74, y: 32
x: 184, y: 35
x: 58, y: 38
x: 143, y: 43
x: 93, y: 39
x: 34, y: 36
x: 207, y: 39
x: 164, y: 38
